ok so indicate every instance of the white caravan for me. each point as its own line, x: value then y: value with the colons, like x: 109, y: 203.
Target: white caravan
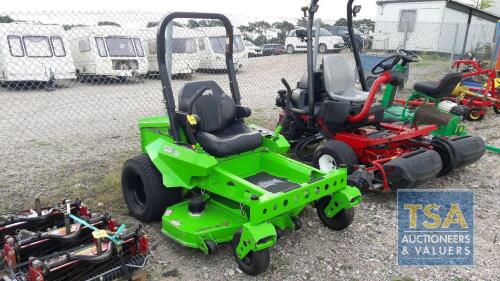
x: 185, y: 59
x: 107, y: 51
x: 211, y: 48
x: 34, y: 52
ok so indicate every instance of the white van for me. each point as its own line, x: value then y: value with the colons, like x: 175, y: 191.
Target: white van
x: 327, y: 42
x: 107, y: 51
x: 34, y: 52
x: 211, y: 48
x: 185, y: 59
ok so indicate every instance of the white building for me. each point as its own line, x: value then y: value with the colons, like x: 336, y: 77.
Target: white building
x: 432, y: 25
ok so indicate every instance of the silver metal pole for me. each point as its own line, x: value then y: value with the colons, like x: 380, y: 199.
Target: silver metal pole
x: 454, y: 44
x: 168, y: 48
x: 316, y: 43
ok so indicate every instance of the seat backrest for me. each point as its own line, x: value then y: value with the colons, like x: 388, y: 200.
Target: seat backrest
x: 215, y: 109
x: 447, y: 84
x: 338, y: 75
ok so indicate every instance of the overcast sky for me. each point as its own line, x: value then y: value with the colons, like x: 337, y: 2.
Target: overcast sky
x: 329, y: 9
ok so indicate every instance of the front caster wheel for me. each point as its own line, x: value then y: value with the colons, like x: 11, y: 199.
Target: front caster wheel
x: 339, y: 221
x: 254, y: 263
x: 474, y: 114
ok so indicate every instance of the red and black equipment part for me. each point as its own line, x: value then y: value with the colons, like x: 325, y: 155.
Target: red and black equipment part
x: 100, y: 259
x: 327, y: 109
x: 481, y: 92
x: 40, y: 218
x: 19, y: 248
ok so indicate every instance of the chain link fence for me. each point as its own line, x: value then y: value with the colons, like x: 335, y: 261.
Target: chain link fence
x: 73, y: 85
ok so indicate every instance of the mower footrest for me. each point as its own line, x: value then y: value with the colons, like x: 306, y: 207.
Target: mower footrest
x: 413, y: 169
x: 467, y: 149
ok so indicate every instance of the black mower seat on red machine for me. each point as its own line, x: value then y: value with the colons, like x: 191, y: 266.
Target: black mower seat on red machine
x: 221, y: 131
x: 440, y: 89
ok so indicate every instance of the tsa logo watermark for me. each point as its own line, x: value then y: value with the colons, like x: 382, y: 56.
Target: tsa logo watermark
x: 435, y: 227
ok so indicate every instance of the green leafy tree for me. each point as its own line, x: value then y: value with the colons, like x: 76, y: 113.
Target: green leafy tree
x: 108, y: 23
x: 261, y: 27
x: 210, y: 23
x: 283, y: 28
x: 192, y: 24
x: 246, y: 30
x: 6, y: 19
x: 70, y: 26
x: 261, y: 39
x: 483, y: 4
x: 341, y: 22
x: 152, y: 24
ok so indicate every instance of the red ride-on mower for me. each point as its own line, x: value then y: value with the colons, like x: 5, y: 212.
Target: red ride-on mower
x: 326, y: 107
x: 39, y: 218
x: 479, y: 88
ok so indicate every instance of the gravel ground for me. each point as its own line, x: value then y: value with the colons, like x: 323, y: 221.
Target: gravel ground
x: 72, y: 142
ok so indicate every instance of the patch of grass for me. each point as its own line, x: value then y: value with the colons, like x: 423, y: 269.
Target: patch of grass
x: 404, y: 278
x: 40, y: 142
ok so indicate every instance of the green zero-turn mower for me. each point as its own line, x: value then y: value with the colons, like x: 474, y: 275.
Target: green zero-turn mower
x: 213, y: 179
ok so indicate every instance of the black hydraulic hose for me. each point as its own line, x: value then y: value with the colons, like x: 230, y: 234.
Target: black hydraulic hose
x: 354, y: 46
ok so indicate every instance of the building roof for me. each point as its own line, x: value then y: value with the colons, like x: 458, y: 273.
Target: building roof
x: 455, y: 5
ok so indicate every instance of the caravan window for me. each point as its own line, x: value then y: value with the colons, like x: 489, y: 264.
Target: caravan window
x: 120, y: 47
x: 152, y: 47
x: 84, y: 45
x: 183, y: 45
x: 138, y: 47
x: 37, y: 46
x: 15, y: 46
x: 201, y: 44
x: 101, y: 48
x: 58, y: 46
x: 219, y: 44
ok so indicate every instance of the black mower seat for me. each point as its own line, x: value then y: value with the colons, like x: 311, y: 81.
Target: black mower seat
x: 440, y: 89
x: 221, y: 130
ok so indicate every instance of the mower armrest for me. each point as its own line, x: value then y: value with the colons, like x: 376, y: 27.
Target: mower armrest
x: 243, y: 112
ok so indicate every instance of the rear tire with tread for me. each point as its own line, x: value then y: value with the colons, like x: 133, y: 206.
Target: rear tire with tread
x: 143, y: 190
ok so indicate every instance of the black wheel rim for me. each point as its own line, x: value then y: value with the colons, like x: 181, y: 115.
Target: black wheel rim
x: 136, y: 190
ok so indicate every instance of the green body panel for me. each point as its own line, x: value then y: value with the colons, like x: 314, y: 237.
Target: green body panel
x: 493, y: 148
x: 403, y: 113
x: 232, y: 202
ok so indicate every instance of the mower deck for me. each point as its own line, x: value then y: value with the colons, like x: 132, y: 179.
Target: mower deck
x: 277, y: 189
x: 272, y: 183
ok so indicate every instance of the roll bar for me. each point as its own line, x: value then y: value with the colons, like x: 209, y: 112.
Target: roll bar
x: 354, y: 46
x: 313, y: 8
x: 167, y: 90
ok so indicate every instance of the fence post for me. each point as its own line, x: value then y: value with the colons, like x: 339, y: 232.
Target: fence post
x: 454, y: 44
x: 405, y: 38
x: 316, y: 43
x: 168, y: 48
